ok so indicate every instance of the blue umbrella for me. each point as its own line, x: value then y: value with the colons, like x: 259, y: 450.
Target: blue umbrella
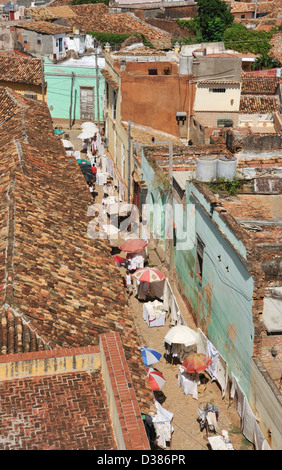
x: 150, y: 356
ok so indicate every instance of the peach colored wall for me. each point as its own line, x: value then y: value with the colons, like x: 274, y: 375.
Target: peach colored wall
x: 141, y: 68
x: 240, y: 15
x: 153, y: 100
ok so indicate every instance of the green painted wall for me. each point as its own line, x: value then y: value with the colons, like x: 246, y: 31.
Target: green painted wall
x: 222, y: 301
x: 59, y: 85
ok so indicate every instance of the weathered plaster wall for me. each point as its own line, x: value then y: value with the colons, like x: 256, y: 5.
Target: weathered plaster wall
x: 222, y: 302
x: 59, y: 83
x: 154, y: 100
x: 23, y: 88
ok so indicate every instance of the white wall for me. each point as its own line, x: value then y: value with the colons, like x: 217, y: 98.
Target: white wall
x: 77, y: 44
x: 207, y: 100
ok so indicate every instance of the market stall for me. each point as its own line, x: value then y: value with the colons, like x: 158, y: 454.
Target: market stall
x: 135, y: 253
x: 153, y: 313
x: 188, y: 382
x: 188, y: 374
x: 149, y: 281
x: 179, y: 341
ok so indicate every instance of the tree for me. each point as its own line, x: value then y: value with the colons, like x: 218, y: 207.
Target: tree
x: 214, y: 17
x: 265, y: 62
x: 241, y: 39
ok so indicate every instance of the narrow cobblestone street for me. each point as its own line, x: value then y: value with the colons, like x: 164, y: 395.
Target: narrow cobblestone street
x: 187, y: 434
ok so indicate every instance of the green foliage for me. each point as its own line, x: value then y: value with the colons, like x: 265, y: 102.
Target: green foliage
x: 111, y: 38
x: 241, y: 39
x: 215, y: 29
x: 265, y: 62
x: 194, y: 31
x: 83, y: 2
x: 230, y: 186
x: 214, y: 17
x: 192, y: 25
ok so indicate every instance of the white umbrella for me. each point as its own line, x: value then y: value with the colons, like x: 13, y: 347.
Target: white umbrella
x: 181, y: 334
x: 67, y: 144
x: 86, y: 134
x: 89, y: 126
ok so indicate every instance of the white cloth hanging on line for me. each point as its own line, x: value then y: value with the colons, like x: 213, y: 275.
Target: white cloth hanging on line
x: 218, y: 369
x: 249, y: 424
x: 162, y: 424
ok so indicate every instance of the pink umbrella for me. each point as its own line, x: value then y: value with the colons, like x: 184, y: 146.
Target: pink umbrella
x: 149, y: 275
x: 133, y: 245
x: 156, y: 379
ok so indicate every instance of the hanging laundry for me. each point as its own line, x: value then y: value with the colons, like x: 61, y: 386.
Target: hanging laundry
x: 214, y: 354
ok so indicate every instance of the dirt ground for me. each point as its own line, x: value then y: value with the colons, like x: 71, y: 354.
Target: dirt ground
x: 187, y: 434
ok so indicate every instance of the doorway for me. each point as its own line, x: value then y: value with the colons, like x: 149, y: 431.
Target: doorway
x: 87, y: 103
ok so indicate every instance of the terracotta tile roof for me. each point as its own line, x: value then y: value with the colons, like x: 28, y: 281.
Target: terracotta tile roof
x: 41, y: 13
x: 122, y: 23
x: 69, y: 414
x: 218, y: 82
x: 20, y: 69
x: 96, y: 17
x: 258, y: 104
x: 67, y: 407
x: 109, y: 79
x: 267, y: 7
x: 264, y: 27
x: 62, y: 12
x: 255, y: 85
x: 90, y: 9
x: 62, y: 284
x: 44, y: 27
x: 13, y: 53
x: 67, y: 11
x: 276, y: 42
x: 59, y: 3
x: 258, y: 94
x: 238, y: 7
x: 243, y: 7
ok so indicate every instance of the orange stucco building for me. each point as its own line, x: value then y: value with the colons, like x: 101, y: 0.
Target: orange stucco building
x: 145, y: 88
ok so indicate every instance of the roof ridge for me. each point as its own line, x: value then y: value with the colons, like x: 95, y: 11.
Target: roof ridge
x: 18, y: 334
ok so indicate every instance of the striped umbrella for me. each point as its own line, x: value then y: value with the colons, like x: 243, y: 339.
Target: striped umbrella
x: 150, y: 356
x: 156, y: 379
x: 149, y: 275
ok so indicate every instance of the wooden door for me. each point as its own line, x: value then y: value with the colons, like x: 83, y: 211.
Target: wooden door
x: 87, y: 103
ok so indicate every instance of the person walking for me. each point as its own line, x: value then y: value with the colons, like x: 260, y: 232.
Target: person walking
x: 91, y: 189
x: 128, y: 283
x: 94, y: 171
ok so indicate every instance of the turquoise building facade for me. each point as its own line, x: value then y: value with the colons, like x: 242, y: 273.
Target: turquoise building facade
x: 75, y: 88
x: 211, y: 270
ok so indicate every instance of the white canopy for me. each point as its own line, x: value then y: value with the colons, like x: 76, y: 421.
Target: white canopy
x: 67, y: 144
x: 181, y: 334
x: 89, y: 126
x: 86, y: 134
